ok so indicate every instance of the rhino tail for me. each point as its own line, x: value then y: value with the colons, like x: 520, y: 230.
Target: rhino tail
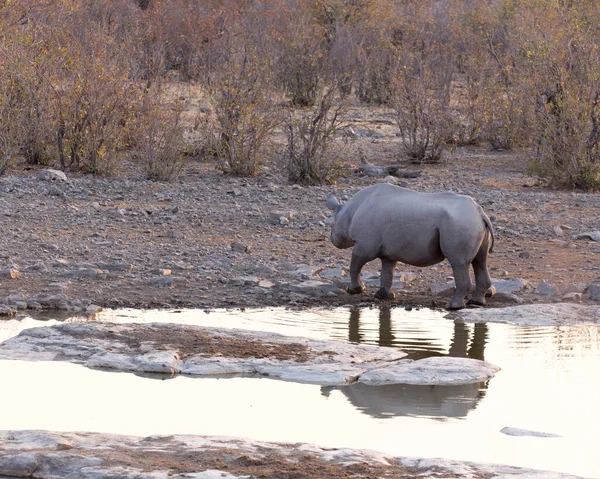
x: 489, y: 226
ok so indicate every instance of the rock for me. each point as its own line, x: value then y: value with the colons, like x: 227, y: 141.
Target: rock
x: 19, y: 465
x: 592, y: 292
x: 590, y: 235
x: 280, y: 217
x: 240, y: 247
x: 51, y: 175
x: 244, y: 281
x: 406, y: 277
x: 442, y: 289
x: 558, y: 231
x: 524, y: 255
x: 55, y: 191
x: 49, y: 301
x: 162, y: 281
x: 11, y: 273
x: 305, y: 271
x: 116, y: 266
x: 505, y: 299
x: 371, y: 170
x: 330, y: 273
x: 75, y: 455
x: 572, y: 296
x: 556, y: 314
x: 14, y: 298
x: 388, y: 179
x: 6, y: 310
x: 93, y: 308
x: 161, y: 272
x: 315, y: 288
x: 510, y: 285
x: 546, y: 288
x: 443, y: 371
x: 397, y: 171
x: 173, y: 234
x: 513, y: 431
x: 92, y: 273
x: 266, y: 284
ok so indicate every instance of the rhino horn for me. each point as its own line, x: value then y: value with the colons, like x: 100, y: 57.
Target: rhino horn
x: 333, y: 203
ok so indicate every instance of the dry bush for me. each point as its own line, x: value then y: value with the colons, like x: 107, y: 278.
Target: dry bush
x: 564, y: 72
x: 159, y: 136
x: 240, y: 89
x: 25, y: 128
x: 310, y: 133
x: 300, y: 55
x: 420, y: 90
x: 93, y: 104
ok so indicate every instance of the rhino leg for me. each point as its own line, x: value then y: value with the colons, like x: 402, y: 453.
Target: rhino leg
x: 463, y: 283
x: 357, y: 262
x: 483, y: 282
x: 387, y: 277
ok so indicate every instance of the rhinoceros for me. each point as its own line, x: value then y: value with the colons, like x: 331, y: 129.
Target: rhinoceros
x: 421, y: 229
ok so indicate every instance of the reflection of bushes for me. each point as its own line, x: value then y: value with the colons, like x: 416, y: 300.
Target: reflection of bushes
x: 78, y: 80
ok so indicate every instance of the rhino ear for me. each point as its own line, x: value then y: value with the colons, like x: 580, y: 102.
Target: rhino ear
x: 333, y: 203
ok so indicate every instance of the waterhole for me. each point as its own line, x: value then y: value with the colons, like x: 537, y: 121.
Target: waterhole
x: 549, y: 383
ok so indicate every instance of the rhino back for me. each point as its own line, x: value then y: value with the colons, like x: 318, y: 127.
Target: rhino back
x: 407, y: 225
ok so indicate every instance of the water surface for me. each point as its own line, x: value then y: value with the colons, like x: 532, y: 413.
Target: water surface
x: 549, y: 382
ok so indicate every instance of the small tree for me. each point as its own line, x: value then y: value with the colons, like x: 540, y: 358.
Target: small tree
x: 309, y: 136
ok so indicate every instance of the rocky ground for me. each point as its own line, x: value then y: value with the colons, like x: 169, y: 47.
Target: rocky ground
x: 211, y: 240
x: 40, y: 454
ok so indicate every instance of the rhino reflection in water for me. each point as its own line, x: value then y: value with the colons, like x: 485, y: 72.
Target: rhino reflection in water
x: 411, y: 400
x: 421, y: 229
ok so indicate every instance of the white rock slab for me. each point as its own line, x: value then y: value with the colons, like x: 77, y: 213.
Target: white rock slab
x: 441, y: 371
x: 513, y: 431
x: 186, y: 349
x: 44, y: 454
x: 536, y: 314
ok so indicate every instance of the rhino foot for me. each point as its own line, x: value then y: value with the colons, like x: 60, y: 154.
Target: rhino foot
x: 476, y: 302
x: 385, y: 294
x: 455, y: 305
x: 356, y: 289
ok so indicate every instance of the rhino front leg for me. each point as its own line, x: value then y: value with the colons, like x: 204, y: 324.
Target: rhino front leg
x: 463, y: 286
x: 356, y: 264
x: 387, y: 277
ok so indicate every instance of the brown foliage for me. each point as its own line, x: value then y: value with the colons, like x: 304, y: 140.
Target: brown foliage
x: 75, y: 74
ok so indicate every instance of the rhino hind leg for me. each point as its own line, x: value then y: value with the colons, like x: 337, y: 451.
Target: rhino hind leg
x: 463, y: 283
x: 483, y: 282
x: 387, y: 276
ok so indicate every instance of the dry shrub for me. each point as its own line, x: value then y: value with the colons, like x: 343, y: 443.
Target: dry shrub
x: 240, y: 89
x: 565, y: 72
x: 159, y: 135
x: 300, y: 58
x: 420, y: 90
x: 309, y: 136
x: 25, y: 128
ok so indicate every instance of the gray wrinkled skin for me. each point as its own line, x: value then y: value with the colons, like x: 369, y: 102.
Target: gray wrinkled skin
x: 421, y: 229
